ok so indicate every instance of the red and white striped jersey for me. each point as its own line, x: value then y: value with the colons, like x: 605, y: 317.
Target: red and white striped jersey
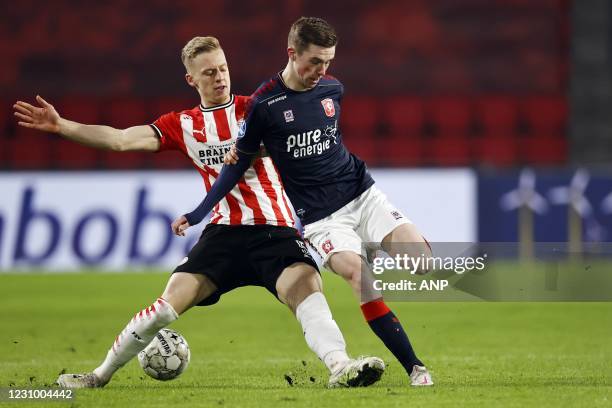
x: 204, y: 135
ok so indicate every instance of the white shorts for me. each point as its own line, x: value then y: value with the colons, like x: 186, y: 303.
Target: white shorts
x: 367, y: 219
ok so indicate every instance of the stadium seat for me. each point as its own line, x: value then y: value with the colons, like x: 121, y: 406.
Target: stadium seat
x: 6, y: 116
x: 169, y: 160
x: 126, y: 112
x: 359, y: 114
x: 160, y: 106
x: 405, y: 116
x: 29, y: 150
x: 363, y: 145
x: 80, y: 109
x: 450, y: 116
x: 71, y: 155
x: 403, y: 151
x: 497, y: 115
x: 545, y: 115
x: 544, y: 150
x: 495, y: 149
x: 125, y: 160
x: 453, y: 150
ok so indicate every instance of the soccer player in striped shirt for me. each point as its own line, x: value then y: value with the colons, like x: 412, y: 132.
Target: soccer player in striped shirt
x: 296, y: 114
x: 250, y: 239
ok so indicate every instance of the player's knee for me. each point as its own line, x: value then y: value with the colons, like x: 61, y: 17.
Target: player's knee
x: 296, y: 283
x: 187, y: 289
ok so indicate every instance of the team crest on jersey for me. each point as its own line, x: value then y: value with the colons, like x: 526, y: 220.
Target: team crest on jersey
x: 327, y: 246
x: 288, y: 116
x: 328, y: 107
x: 241, y: 128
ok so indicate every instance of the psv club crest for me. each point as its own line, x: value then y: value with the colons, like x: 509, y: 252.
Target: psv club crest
x: 328, y: 107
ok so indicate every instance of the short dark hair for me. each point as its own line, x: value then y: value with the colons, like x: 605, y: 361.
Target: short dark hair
x: 311, y: 30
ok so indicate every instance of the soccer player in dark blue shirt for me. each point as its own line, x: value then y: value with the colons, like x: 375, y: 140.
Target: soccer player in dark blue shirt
x: 295, y: 115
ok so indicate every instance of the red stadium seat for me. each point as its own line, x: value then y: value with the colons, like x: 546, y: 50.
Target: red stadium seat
x: 405, y: 116
x: 29, y: 150
x: 363, y: 145
x: 71, y: 155
x: 497, y: 115
x: 451, y: 150
x: 359, y: 114
x: 125, y: 160
x: 545, y: 114
x: 126, y: 112
x: 160, y: 106
x: 6, y: 116
x: 169, y: 160
x: 496, y: 150
x: 86, y: 110
x: 451, y: 116
x: 544, y: 150
x: 403, y: 151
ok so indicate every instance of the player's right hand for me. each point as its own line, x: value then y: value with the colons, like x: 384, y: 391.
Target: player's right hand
x: 231, y: 157
x: 179, y: 226
x: 43, y: 117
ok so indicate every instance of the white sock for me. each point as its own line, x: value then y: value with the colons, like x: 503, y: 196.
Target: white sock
x: 136, y: 336
x: 321, y: 331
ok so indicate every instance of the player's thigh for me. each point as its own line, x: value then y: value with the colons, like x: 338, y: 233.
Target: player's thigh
x: 347, y: 264
x: 185, y: 290
x: 384, y: 224
x: 281, y: 262
x: 296, y: 282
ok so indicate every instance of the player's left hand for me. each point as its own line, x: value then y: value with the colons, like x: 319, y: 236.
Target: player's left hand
x: 180, y: 225
x: 231, y: 157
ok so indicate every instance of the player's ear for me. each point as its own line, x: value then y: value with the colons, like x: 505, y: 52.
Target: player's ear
x: 292, y: 53
x: 190, y: 80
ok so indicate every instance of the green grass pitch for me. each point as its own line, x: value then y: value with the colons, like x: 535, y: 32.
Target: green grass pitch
x: 245, y: 348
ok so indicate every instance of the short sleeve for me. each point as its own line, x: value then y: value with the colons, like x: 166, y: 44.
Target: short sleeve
x: 252, y: 130
x: 168, y: 129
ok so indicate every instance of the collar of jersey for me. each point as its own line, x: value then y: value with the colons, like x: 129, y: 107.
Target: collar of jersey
x: 286, y: 88
x: 212, y: 108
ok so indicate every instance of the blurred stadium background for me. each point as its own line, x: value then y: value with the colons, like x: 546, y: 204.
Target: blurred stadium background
x: 457, y: 98
x: 483, y: 120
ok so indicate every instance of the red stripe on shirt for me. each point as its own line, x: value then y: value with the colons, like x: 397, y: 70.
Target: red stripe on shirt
x: 199, y: 131
x: 241, y: 105
x: 262, y: 175
x: 284, y: 195
x: 251, y: 201
x: 223, y: 129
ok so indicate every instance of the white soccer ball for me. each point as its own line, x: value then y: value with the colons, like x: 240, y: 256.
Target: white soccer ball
x: 166, y: 357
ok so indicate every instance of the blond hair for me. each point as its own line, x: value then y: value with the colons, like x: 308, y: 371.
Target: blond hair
x: 198, y: 45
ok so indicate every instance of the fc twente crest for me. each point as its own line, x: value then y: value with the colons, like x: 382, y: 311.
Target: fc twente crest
x: 328, y: 106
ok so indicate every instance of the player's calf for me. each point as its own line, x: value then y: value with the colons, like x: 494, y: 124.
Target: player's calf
x: 133, y: 338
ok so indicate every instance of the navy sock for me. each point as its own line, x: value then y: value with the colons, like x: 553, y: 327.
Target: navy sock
x: 388, y: 328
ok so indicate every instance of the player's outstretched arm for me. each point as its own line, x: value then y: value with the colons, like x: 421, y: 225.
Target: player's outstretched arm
x: 45, y: 118
x: 228, y: 177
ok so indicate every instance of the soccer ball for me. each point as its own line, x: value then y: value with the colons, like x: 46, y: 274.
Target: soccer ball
x: 166, y: 357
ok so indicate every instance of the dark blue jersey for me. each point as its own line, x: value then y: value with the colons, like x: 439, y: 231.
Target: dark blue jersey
x: 301, y: 134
